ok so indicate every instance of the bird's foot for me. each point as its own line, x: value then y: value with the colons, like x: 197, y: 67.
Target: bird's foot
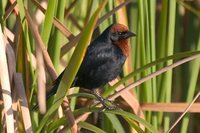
x: 110, y: 105
x: 107, y: 105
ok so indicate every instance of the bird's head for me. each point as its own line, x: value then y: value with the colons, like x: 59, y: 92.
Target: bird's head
x: 119, y: 36
x: 120, y: 32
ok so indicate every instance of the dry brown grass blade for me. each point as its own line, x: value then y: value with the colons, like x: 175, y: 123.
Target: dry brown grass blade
x: 70, y: 45
x: 39, y: 6
x: 41, y: 80
x: 23, y: 102
x: 66, y: 108
x: 16, y: 9
x: 11, y: 60
x: 74, y: 41
x: 170, y: 107
x: 9, y: 34
x: 56, y: 23
x: 83, y: 117
x: 9, y: 10
x: 5, y: 86
x: 75, y: 23
x: 41, y: 45
x: 131, y: 100
x: 63, y: 29
x: 185, y: 111
x: 71, y: 6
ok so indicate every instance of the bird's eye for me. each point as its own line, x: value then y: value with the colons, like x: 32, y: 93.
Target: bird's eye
x: 120, y: 33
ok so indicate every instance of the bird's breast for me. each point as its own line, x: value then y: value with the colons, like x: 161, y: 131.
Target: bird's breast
x: 123, y: 46
x: 104, y: 73
x: 100, y: 67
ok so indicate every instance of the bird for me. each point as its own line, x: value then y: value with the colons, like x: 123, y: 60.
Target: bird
x: 103, y: 61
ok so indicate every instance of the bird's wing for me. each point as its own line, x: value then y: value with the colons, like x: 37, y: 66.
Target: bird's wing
x: 96, y: 55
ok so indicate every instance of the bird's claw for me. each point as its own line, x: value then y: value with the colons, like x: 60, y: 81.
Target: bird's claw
x: 108, y: 108
x: 108, y: 104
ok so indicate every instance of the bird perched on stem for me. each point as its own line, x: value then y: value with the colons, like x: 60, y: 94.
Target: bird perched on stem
x: 103, y: 61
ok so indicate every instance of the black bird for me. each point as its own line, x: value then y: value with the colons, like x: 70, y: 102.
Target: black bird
x: 103, y: 61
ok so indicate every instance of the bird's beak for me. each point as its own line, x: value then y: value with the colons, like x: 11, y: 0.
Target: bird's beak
x: 129, y: 34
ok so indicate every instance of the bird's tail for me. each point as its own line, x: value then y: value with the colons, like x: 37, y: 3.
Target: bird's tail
x: 49, y: 94
x: 53, y: 90
x: 55, y: 87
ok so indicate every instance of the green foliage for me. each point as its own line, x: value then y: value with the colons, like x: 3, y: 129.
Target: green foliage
x: 167, y: 32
